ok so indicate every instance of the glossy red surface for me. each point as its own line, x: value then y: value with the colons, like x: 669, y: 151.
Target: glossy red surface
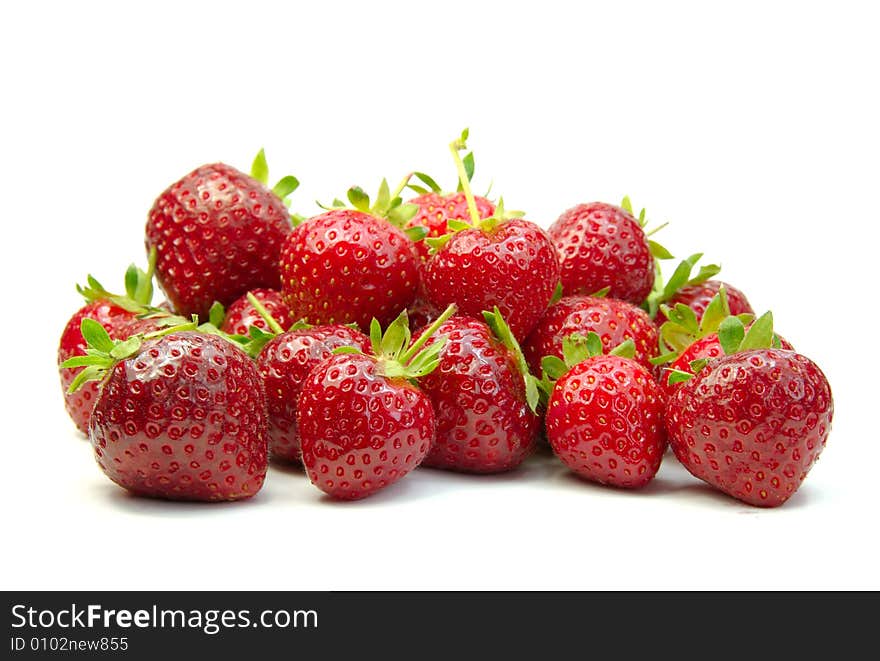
x: 752, y: 424
x: 697, y: 297
x: 116, y: 321
x: 184, y: 419
x: 514, y: 267
x: 217, y: 234
x: 484, y: 424
x: 284, y: 363
x: 347, y: 266
x: 601, y: 245
x: 241, y: 314
x: 605, y: 421
x: 436, y: 210
x: 612, y: 320
x: 361, y: 431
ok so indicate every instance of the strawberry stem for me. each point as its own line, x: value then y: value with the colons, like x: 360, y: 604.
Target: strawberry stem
x: 403, y: 184
x: 454, y: 147
x: 424, y: 337
x: 264, y: 313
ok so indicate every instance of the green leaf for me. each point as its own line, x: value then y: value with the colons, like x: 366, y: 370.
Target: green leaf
x: 260, y: 169
x: 553, y: 367
x: 680, y: 276
x: 376, y: 337
x: 458, y: 225
x: 418, y: 189
x: 285, y: 186
x: 402, y: 214
x: 428, y: 181
x: 602, y: 293
x: 626, y: 349
x: 468, y: 161
x: 95, y: 335
x: 659, y: 251
x: 416, y: 233
x: 217, y: 314
x: 395, y: 337
x: 698, y: 365
x: 436, y: 243
x: 126, y: 348
x: 90, y: 373
x: 557, y: 293
x: 359, y: 199
x: 730, y: 334
x: 339, y: 350
x: 577, y: 348
x: 132, y: 277
x: 677, y: 376
x: 663, y: 358
x: 85, y: 361
x: 716, y: 312
x: 533, y: 395
x: 626, y: 204
x: 706, y: 272
x: 760, y: 333
x: 383, y: 199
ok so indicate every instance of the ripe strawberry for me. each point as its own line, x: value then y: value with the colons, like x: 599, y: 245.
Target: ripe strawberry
x: 242, y: 314
x: 495, y: 262
x: 284, y: 363
x: 479, y: 392
x: 351, y: 265
x: 181, y: 416
x: 753, y: 422
x: 436, y: 208
x: 114, y: 312
x: 217, y: 233
x: 698, y: 296
x: 614, y: 321
x: 605, y: 414
x: 362, y: 422
x: 601, y: 245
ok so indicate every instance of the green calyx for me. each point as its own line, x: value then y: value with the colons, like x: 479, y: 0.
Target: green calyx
x: 500, y: 329
x: 682, y: 327
x: 102, y: 352
x: 577, y: 348
x: 397, y: 356
x: 465, y: 173
x: 138, y: 288
x: 657, y: 250
x: 735, y: 334
x: 283, y: 188
x: 257, y: 338
x: 388, y: 205
x: 682, y: 277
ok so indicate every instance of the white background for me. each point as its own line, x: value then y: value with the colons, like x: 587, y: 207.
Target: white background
x: 752, y: 128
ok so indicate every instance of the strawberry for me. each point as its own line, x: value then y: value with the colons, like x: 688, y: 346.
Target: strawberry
x: 601, y: 245
x: 498, y: 261
x: 421, y: 312
x: 242, y: 314
x: 363, y: 423
x: 753, y: 422
x: 114, y: 312
x: 479, y: 392
x: 694, y: 291
x: 614, y: 321
x: 437, y: 208
x: 605, y: 413
x: 180, y: 415
x: 687, y: 337
x: 351, y: 265
x: 285, y: 363
x: 217, y: 234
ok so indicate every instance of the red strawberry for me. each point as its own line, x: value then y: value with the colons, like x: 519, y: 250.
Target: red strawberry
x: 116, y: 313
x: 181, y: 416
x: 614, y: 321
x: 284, y: 363
x: 601, y: 245
x: 484, y: 423
x: 436, y: 210
x: 351, y: 265
x: 217, y: 233
x: 605, y: 416
x: 498, y: 262
x: 242, y: 314
x: 753, y: 422
x: 362, y: 423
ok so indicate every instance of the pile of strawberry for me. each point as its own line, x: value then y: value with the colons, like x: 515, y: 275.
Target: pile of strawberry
x: 441, y: 331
